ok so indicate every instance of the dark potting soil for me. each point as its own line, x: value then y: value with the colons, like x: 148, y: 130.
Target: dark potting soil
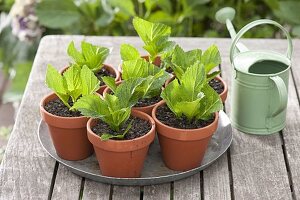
x: 148, y: 101
x: 103, y: 72
x: 216, y: 85
x: 57, y: 107
x: 169, y: 70
x: 139, y: 127
x: 167, y: 117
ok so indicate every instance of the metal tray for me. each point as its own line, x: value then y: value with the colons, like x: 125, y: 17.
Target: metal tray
x: 154, y: 172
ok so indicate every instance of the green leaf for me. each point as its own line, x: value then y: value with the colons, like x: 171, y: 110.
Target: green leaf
x: 110, y: 82
x: 57, y: 13
x: 90, y: 83
x: 154, y: 35
x: 129, y: 52
x: 92, y: 56
x: 210, y: 103
x: 91, y: 106
x: 181, y: 60
x: 73, y: 82
x: 211, y: 58
x: 127, y: 92
x: 73, y: 53
x: 154, y: 77
x: 56, y: 82
x: 212, y: 75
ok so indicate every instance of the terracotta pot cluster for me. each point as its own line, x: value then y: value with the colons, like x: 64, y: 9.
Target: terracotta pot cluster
x: 182, y: 149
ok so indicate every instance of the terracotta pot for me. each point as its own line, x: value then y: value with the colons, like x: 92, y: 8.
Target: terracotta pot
x: 122, y: 158
x: 156, y: 62
x: 109, y: 68
x: 183, y: 149
x: 144, y: 109
x: 68, y: 134
x: 223, y: 95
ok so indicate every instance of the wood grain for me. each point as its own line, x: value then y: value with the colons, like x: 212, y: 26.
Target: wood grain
x: 126, y: 193
x: 154, y: 192
x: 188, y: 188
x: 95, y: 190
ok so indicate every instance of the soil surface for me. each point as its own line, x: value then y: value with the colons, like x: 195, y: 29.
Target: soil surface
x: 57, y: 107
x: 139, y: 127
x: 103, y: 72
x: 216, y: 85
x: 167, y: 117
x: 148, y: 101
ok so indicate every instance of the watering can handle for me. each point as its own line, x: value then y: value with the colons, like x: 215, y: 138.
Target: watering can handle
x: 282, y: 92
x: 256, y: 23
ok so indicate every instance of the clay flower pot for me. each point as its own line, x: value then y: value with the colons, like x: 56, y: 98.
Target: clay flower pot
x: 107, y: 67
x: 183, y: 149
x: 223, y: 95
x: 144, y: 109
x: 122, y: 158
x: 68, y: 134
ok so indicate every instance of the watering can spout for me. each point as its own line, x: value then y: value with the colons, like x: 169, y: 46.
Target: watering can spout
x: 225, y: 16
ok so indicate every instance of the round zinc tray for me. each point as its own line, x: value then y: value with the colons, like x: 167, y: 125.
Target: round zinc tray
x: 154, y: 172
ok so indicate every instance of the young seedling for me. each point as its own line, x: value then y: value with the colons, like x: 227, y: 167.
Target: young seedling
x: 92, y: 56
x: 72, y: 84
x: 155, y: 37
x: 113, y: 109
x: 181, y: 60
x: 154, y: 76
x: 191, y: 96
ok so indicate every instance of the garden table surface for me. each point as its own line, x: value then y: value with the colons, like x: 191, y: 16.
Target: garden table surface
x: 255, y: 167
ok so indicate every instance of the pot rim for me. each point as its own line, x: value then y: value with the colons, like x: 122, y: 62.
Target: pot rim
x: 116, y: 143
x: 42, y: 104
x: 224, y: 84
x: 179, y: 129
x: 116, y: 71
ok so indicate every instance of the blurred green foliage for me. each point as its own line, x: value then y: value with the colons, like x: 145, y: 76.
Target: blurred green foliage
x: 186, y: 17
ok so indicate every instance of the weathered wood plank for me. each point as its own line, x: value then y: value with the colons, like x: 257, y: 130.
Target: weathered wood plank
x: 153, y: 192
x: 216, y: 180
x: 126, y: 193
x: 258, y: 164
x: 63, y: 189
x: 188, y: 188
x: 292, y: 129
x: 95, y: 190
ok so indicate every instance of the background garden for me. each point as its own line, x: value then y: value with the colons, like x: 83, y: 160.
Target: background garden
x: 24, y: 22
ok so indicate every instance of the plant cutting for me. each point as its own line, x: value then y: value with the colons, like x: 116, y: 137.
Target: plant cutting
x: 181, y: 60
x: 93, y: 57
x: 156, y: 42
x: 68, y: 127
x: 120, y: 136
x: 154, y: 79
x: 187, y: 118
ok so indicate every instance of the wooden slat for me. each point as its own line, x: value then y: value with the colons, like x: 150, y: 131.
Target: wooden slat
x: 95, y: 190
x: 216, y: 180
x: 258, y: 164
x: 188, y: 188
x: 63, y: 188
x: 126, y: 193
x: 292, y: 129
x: 154, y: 192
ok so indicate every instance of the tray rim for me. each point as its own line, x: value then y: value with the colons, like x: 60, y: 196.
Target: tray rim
x: 141, y: 181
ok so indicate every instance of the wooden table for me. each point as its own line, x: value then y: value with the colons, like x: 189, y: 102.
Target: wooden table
x: 255, y: 167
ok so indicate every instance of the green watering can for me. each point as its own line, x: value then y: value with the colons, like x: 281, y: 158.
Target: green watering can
x: 259, y: 90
